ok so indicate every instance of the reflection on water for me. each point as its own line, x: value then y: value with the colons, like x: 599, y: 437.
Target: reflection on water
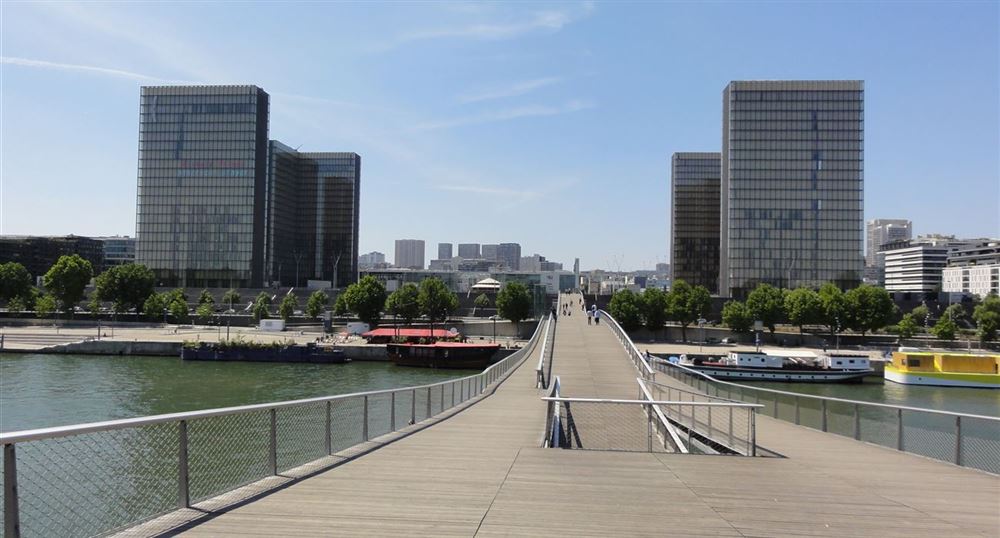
x: 51, y: 390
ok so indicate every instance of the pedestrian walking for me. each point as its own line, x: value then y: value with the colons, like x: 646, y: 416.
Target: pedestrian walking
x: 590, y: 317
x: 597, y: 317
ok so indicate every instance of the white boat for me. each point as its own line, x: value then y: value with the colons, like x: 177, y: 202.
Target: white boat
x: 783, y: 365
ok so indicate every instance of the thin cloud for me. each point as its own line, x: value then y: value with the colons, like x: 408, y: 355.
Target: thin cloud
x: 513, y: 90
x: 106, y: 71
x: 506, y: 115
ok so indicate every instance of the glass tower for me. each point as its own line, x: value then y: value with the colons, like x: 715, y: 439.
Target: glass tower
x: 201, y: 184
x: 312, y: 216
x: 792, y: 184
x: 694, y: 225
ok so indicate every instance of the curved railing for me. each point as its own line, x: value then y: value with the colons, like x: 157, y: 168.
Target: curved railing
x: 548, y: 346
x: 638, y: 358
x: 961, y: 438
x: 101, y: 477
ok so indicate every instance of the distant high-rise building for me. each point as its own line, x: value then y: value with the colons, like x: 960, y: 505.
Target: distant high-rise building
x: 202, y: 184
x: 663, y: 269
x: 371, y: 260
x: 792, y: 185
x: 312, y: 220
x: 490, y: 252
x: 882, y: 231
x: 220, y: 206
x: 509, y: 255
x: 444, y: 251
x: 410, y: 253
x: 39, y: 253
x: 469, y: 251
x: 694, y: 218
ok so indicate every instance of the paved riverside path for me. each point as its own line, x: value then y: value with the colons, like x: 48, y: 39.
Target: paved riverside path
x: 481, y: 473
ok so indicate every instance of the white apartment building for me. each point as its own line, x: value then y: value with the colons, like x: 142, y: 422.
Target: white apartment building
x: 974, y: 270
x: 917, y: 265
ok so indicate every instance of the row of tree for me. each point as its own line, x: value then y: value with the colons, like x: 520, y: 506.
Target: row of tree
x: 684, y: 304
x: 986, y: 316
x: 367, y: 299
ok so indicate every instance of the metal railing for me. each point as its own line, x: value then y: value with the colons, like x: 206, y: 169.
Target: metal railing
x: 623, y: 425
x: 548, y: 347
x: 637, y: 357
x: 551, y: 437
x: 727, y: 430
x: 102, y: 477
x: 961, y: 438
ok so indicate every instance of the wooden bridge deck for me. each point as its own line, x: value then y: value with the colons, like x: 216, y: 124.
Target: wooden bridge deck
x: 481, y: 473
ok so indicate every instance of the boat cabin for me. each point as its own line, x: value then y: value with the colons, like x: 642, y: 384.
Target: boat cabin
x: 744, y: 359
x: 846, y: 361
x: 966, y: 363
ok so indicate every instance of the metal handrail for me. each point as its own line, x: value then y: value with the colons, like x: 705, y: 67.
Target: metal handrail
x: 827, y: 398
x: 671, y: 431
x: 649, y: 402
x: 637, y: 356
x: 540, y: 370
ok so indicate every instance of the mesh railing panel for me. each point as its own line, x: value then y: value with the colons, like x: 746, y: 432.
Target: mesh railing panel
x: 606, y: 426
x: 379, y: 418
x: 227, y: 452
x: 301, y: 432
x: 347, y: 423
x: 981, y: 444
x: 97, y: 482
x: 878, y: 425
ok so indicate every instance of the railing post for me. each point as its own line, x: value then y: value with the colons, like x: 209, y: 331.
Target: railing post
x: 329, y: 427
x: 824, y: 419
x: 364, y: 428
x: 775, y: 406
x: 442, y: 399
x: 428, y: 402
x: 11, y: 514
x: 413, y: 406
x: 183, y: 480
x: 452, y: 394
x: 392, y: 411
x: 273, y: 455
x: 958, y: 440
x: 797, y: 422
x: 753, y: 431
x: 899, y: 429
x: 709, y: 421
x: 857, y: 421
x: 649, y: 428
x: 731, y: 425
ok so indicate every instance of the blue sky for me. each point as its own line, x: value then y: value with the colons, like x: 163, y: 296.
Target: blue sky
x: 546, y: 124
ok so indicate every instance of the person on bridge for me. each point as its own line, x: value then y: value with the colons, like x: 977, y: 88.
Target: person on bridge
x: 590, y: 316
x: 597, y: 317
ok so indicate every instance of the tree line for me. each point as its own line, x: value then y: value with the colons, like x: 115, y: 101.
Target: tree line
x: 684, y: 304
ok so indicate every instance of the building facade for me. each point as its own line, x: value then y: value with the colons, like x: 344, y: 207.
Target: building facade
x: 39, y: 253
x: 973, y: 270
x: 877, y: 233
x: 694, y: 218
x: 371, y: 260
x: 490, y: 252
x: 509, y: 256
x: 118, y: 250
x: 312, y: 219
x: 444, y: 251
x: 201, y: 184
x: 409, y: 253
x: 917, y: 266
x: 469, y: 251
x: 792, y: 185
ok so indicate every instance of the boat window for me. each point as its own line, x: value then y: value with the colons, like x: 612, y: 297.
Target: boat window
x: 851, y: 361
x: 913, y: 362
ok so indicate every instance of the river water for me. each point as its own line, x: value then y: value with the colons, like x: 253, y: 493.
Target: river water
x: 38, y: 391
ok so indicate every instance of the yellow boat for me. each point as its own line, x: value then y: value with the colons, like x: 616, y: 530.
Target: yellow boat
x: 943, y: 368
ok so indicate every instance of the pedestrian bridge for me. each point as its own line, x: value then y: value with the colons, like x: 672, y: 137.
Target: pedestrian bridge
x: 644, y: 450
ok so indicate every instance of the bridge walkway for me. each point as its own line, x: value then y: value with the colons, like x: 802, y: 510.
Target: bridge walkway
x: 481, y: 473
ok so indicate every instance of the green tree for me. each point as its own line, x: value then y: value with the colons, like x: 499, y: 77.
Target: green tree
x: 921, y: 315
x: 125, y: 286
x: 15, y: 305
x: 686, y: 304
x: 834, y: 308
x: 66, y: 280
x: 340, y: 306
x: 261, y: 308
x: 404, y: 303
x: 907, y: 326
x: 955, y: 311
x: 205, y: 311
x: 654, y: 309
x: 803, y: 307
x: 945, y: 328
x: 317, y: 303
x: 287, y: 307
x: 626, y: 308
x: 737, y: 317
x: 231, y: 297
x: 155, y: 305
x: 45, y: 306
x: 482, y: 301
x: 514, y: 303
x: 436, y: 300
x: 767, y: 304
x: 94, y: 305
x: 206, y: 298
x: 870, y: 308
x: 179, y: 310
x: 365, y: 298
x: 987, y: 318
x: 15, y: 281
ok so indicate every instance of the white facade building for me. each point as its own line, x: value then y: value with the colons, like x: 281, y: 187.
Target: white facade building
x: 409, y: 253
x: 878, y: 233
x: 974, y: 270
x: 917, y: 266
